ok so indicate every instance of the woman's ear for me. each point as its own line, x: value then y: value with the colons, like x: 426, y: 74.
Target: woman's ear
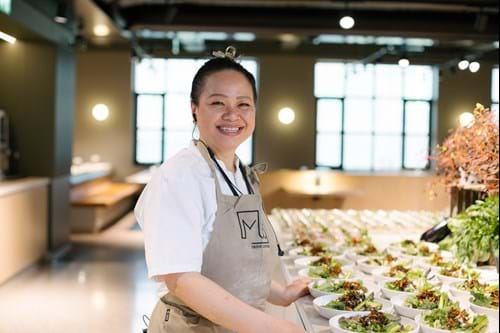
x: 193, y: 112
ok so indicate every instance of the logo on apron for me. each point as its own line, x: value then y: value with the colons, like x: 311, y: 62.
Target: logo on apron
x: 252, y: 228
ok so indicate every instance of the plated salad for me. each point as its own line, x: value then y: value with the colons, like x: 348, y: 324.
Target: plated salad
x: 449, y: 316
x: 340, y: 286
x: 400, y: 271
x: 375, y: 321
x: 486, y: 298
x: 368, y: 250
x: 459, y: 272
x: 473, y: 284
x: 328, y: 271
x: 425, y: 299
x: 355, y: 301
x: 404, y: 284
x: 325, y: 260
x: 420, y: 250
x: 315, y: 249
x: 436, y: 259
x: 385, y: 260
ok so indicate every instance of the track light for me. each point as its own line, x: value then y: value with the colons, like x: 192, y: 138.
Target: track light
x: 61, y: 13
x: 463, y: 64
x: 474, y: 66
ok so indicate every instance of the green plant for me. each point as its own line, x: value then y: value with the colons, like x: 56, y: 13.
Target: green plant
x: 475, y: 231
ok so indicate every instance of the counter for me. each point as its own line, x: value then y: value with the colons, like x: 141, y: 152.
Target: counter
x: 13, y: 186
x: 23, y: 224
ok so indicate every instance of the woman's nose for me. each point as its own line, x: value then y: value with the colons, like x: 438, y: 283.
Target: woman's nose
x: 231, y: 113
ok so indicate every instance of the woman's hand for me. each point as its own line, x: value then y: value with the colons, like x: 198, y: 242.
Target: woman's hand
x: 284, y: 296
x: 281, y: 325
x: 297, y: 289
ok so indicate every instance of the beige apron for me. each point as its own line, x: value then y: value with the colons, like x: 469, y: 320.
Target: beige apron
x: 239, y: 257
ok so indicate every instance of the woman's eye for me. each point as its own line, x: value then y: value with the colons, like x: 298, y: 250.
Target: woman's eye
x: 245, y: 105
x: 217, y: 103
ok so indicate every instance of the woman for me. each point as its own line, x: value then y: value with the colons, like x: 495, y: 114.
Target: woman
x: 207, y: 239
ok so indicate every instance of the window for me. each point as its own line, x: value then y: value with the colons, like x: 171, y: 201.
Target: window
x: 494, y: 93
x: 373, y: 117
x: 163, y: 121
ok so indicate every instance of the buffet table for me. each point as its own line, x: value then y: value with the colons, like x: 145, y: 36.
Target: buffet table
x: 383, y: 229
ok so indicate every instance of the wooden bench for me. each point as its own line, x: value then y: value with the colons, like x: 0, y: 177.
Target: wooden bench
x: 98, y: 203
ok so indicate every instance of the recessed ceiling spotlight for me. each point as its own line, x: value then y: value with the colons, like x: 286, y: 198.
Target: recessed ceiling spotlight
x: 347, y: 22
x: 101, y: 30
x: 463, y: 64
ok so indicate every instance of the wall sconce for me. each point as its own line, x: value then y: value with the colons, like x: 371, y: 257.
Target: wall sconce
x: 286, y: 116
x: 100, y: 112
x: 466, y: 119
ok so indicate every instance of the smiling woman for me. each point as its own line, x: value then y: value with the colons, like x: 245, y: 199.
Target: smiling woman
x: 208, y: 241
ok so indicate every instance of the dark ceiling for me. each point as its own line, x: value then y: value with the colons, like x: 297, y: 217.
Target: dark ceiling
x: 440, y: 28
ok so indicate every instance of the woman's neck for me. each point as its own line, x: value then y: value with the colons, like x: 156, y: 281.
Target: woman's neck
x: 227, y: 157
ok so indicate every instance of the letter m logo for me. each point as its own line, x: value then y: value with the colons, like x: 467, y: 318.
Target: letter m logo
x: 248, y: 220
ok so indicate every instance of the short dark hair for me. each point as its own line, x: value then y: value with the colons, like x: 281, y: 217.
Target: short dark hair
x: 216, y: 65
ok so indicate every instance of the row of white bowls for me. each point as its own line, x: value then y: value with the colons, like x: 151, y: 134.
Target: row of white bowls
x: 396, y: 298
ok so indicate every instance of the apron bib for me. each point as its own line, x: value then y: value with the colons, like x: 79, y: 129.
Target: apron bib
x: 239, y: 257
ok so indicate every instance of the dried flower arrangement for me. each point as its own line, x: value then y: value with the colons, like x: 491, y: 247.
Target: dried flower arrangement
x: 472, y: 151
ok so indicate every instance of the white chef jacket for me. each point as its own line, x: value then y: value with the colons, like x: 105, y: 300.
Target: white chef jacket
x: 176, y: 212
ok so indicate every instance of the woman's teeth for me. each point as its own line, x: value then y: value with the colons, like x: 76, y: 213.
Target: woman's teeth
x: 229, y: 129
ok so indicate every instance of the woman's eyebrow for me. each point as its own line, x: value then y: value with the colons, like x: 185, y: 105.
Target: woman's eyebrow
x: 222, y: 95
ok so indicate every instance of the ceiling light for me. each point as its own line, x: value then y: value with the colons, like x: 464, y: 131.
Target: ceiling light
x: 474, y: 66
x: 101, y: 30
x: 466, y: 119
x: 463, y: 64
x: 286, y: 116
x: 61, y: 13
x: 347, y: 22
x: 100, y: 112
x: 404, y: 61
x: 7, y: 38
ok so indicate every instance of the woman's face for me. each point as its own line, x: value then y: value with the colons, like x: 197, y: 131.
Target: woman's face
x: 226, y: 111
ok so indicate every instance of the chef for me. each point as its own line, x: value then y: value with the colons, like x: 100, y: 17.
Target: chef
x: 208, y: 242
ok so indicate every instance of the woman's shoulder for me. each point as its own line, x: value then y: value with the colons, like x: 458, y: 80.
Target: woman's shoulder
x: 188, y: 162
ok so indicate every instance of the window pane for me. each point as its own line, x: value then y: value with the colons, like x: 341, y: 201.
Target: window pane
x: 175, y: 141
x: 148, y: 149
x: 329, y: 115
x: 328, y: 149
x: 329, y: 79
x: 180, y: 74
x: 494, y: 85
x: 388, y: 151
x: 359, y: 80
x: 178, y: 112
x: 417, y: 118
x: 149, y: 111
x: 388, y: 81
x: 358, y: 116
x: 149, y: 76
x: 419, y: 82
x: 389, y: 116
x: 357, y: 152
x: 251, y: 66
x: 416, y: 152
x: 244, y: 151
x: 495, y: 115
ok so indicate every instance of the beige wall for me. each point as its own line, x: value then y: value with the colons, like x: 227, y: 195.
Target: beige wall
x: 284, y: 81
x: 105, y: 77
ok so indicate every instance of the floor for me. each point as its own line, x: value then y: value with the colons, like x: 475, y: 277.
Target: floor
x: 100, y: 286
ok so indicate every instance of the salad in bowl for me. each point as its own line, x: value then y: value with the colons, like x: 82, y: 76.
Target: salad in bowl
x: 426, y: 298
x: 337, y: 286
x: 335, y: 270
x: 456, y: 272
x: 448, y: 316
x: 372, y: 322
x: 331, y: 305
x: 368, y: 265
x: 486, y: 302
x: 463, y: 289
x: 404, y: 286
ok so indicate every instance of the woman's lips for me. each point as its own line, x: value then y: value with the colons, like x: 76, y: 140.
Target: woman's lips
x: 230, y: 130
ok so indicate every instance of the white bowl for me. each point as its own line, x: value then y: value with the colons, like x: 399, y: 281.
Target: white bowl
x: 448, y: 280
x: 402, y: 309
x: 389, y: 293
x: 492, y: 314
x: 335, y: 327
x: 320, y: 302
x: 458, y: 293
x: 345, y: 269
x: 371, y: 287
